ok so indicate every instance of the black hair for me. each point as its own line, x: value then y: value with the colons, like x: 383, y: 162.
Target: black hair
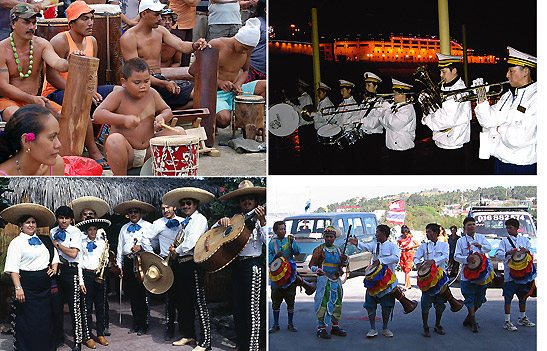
x: 136, y: 64
x: 514, y: 222
x: 384, y: 229
x: 453, y: 226
x: 27, y: 119
x: 277, y: 224
x: 64, y: 211
x: 434, y: 227
x: 468, y: 219
x: 404, y: 229
x: 260, y: 9
x: 24, y: 218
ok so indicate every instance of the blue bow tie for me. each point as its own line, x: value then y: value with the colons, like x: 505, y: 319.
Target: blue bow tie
x: 91, y: 246
x: 172, y: 223
x: 185, y: 222
x: 60, y: 235
x: 133, y: 227
x: 34, y: 241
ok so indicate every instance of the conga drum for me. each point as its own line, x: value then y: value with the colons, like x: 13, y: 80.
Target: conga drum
x: 175, y: 155
x: 249, y: 111
x: 107, y: 29
x: 50, y: 27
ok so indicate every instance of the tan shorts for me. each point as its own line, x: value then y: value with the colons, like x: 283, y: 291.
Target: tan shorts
x: 5, y: 103
x: 139, y: 157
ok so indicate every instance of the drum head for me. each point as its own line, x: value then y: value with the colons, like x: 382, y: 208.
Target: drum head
x: 329, y: 130
x: 249, y: 98
x: 519, y: 256
x: 370, y: 269
x: 424, y: 270
x: 276, y: 264
x: 283, y: 120
x: 174, y: 140
x: 475, y: 262
x: 106, y: 9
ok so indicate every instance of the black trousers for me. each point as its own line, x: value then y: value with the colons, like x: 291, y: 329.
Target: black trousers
x: 69, y: 286
x: 248, y: 302
x: 95, y: 296
x: 136, y: 292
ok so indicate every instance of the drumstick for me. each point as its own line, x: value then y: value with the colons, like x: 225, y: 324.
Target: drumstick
x: 54, y: 5
x: 169, y: 127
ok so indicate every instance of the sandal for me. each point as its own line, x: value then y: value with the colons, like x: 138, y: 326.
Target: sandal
x: 103, y: 162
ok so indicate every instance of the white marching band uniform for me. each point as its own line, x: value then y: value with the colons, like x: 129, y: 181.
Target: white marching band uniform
x: 304, y: 100
x: 342, y: 118
x: 399, y: 120
x: 371, y: 122
x: 319, y: 120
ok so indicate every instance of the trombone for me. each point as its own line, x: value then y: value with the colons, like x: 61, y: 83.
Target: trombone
x: 470, y: 94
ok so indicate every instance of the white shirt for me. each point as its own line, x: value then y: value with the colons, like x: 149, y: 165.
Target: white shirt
x: 371, y: 122
x: 90, y: 260
x: 516, y: 115
x: 400, y: 123
x: 73, y: 240
x: 464, y: 247
x: 126, y: 240
x: 520, y: 242
x: 389, y: 252
x: 193, y: 231
x: 303, y: 100
x: 164, y: 235
x: 438, y: 251
x: 341, y: 117
x: 254, y: 246
x: 25, y: 257
x: 451, y: 123
x: 319, y: 120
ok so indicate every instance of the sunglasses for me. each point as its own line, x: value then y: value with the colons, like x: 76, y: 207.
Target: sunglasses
x: 186, y: 202
x: 89, y: 213
x: 134, y: 211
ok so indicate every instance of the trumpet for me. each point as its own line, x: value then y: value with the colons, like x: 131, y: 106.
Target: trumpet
x: 469, y: 94
x: 179, y: 238
x: 103, y: 262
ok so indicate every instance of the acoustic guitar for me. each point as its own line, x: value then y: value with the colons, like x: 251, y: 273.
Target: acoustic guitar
x: 221, y: 245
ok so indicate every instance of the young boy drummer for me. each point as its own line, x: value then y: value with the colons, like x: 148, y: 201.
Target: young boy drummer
x: 92, y: 251
x: 434, y: 252
x: 134, y: 111
x: 509, y: 246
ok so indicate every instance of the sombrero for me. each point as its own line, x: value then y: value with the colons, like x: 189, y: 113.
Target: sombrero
x: 173, y: 197
x: 95, y: 222
x: 127, y: 205
x: 44, y: 217
x: 244, y: 188
x: 158, y: 277
x: 98, y: 205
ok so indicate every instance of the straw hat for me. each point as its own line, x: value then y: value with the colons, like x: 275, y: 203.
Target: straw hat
x: 95, y: 222
x: 158, y: 277
x: 127, y: 205
x: 173, y: 197
x: 244, y: 188
x: 98, y: 205
x: 44, y: 217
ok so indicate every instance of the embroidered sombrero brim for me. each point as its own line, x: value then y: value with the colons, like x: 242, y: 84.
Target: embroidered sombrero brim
x: 124, y: 207
x: 44, y: 217
x: 173, y: 197
x: 98, y: 205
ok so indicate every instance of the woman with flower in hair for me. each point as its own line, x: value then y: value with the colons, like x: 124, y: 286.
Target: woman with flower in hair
x: 30, y: 145
x: 407, y: 244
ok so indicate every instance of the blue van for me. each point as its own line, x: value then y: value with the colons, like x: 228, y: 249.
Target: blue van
x: 307, y: 230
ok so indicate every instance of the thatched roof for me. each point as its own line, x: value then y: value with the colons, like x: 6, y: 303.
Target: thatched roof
x: 53, y: 192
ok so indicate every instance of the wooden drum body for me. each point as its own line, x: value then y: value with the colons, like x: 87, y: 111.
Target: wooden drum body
x: 50, y: 27
x: 107, y: 29
x: 175, y: 155
x: 249, y: 115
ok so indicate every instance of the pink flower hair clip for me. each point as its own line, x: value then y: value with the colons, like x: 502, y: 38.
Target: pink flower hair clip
x: 30, y: 137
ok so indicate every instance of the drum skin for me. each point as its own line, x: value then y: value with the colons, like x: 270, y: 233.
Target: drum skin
x: 48, y: 28
x: 107, y: 29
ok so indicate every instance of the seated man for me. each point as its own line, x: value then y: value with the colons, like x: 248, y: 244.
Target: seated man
x: 134, y: 111
x: 233, y: 69
x: 21, y: 56
x: 169, y: 56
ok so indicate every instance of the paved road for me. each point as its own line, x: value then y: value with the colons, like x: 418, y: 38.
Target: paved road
x: 407, y: 328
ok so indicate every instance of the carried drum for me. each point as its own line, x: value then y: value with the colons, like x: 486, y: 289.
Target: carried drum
x: 50, y: 27
x: 107, y: 29
x: 379, y: 280
x: 283, y: 120
x: 329, y: 134
x: 175, y: 155
x: 431, y: 279
x: 479, y: 269
x: 249, y: 110
x: 522, y: 268
x: 281, y: 271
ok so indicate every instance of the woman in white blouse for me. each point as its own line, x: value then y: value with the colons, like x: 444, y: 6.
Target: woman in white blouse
x: 31, y: 265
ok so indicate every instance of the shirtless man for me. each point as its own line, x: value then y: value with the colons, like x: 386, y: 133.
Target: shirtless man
x: 233, y: 69
x: 169, y: 56
x: 134, y: 111
x: 19, y: 79
x: 145, y: 41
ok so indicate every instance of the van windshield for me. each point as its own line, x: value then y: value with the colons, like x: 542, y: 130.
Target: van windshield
x: 493, y: 224
x: 307, y: 227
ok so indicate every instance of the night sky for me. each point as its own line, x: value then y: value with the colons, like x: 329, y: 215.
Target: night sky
x: 490, y: 25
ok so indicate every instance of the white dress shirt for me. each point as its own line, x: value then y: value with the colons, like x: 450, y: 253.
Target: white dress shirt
x: 511, y: 126
x: 400, y: 123
x: 193, y: 231
x: 342, y: 118
x: 25, y: 257
x: 389, y: 252
x: 519, y: 241
x: 90, y: 260
x: 254, y: 246
x: 451, y: 123
x: 126, y: 240
x: 438, y: 251
x: 165, y: 236
x: 371, y: 122
x: 320, y: 120
x: 73, y: 240
x: 464, y: 247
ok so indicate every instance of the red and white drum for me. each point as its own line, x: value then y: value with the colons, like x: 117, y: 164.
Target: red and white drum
x: 175, y: 155
x: 280, y: 271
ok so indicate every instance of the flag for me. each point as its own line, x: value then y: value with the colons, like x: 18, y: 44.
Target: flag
x: 308, y: 204
x: 396, y: 213
x: 398, y: 205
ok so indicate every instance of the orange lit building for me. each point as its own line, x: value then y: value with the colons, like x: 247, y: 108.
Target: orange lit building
x: 397, y: 49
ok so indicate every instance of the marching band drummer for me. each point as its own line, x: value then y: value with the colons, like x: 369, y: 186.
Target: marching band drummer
x: 474, y: 294
x: 248, y: 271
x: 511, y: 124
x: 131, y: 241
x: 188, y: 287
x: 92, y: 251
x: 399, y: 120
x: 451, y: 124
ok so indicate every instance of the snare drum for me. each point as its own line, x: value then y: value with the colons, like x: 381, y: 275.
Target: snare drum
x: 50, y: 27
x: 107, y: 29
x: 175, y: 155
x: 283, y: 120
x: 329, y: 134
x: 349, y: 137
x: 249, y: 110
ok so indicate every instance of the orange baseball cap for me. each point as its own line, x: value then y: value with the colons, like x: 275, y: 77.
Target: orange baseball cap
x: 76, y: 9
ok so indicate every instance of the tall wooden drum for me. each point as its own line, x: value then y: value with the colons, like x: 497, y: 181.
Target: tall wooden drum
x: 107, y: 29
x: 50, y: 27
x: 249, y: 111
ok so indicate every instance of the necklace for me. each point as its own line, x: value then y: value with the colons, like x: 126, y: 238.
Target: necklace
x: 16, y: 56
x: 17, y: 164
